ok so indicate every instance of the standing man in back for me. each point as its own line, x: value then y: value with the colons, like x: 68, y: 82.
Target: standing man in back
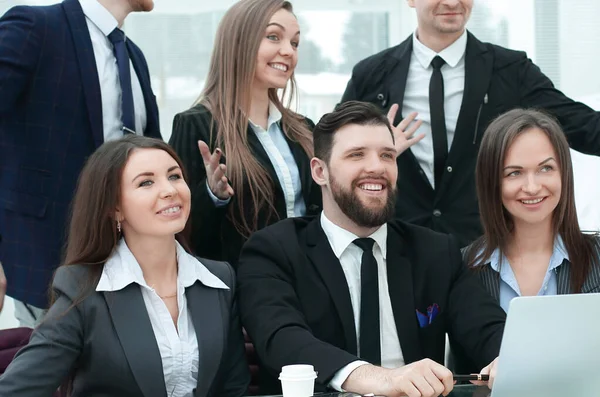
x: 69, y: 80
x: 456, y: 85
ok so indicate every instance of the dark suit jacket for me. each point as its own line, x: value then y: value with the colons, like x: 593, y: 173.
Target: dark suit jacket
x: 107, y: 343
x: 50, y: 122
x: 213, y: 233
x: 295, y: 303
x: 496, y: 80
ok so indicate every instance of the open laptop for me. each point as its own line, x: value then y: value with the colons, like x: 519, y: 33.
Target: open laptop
x: 550, y: 347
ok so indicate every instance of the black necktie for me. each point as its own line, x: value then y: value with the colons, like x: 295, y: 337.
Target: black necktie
x: 117, y: 38
x: 370, y: 346
x: 438, y: 120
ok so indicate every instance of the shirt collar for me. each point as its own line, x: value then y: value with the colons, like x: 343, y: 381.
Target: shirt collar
x: 99, y: 16
x: 559, y: 254
x: 122, y: 269
x: 274, y: 117
x: 340, y: 238
x: 451, y: 54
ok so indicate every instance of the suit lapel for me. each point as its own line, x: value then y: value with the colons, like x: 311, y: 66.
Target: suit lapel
x: 87, y: 67
x: 590, y: 285
x: 491, y: 280
x: 400, y: 288
x: 302, y: 162
x: 402, y: 57
x: 327, y: 264
x: 134, y: 330
x: 207, y: 315
x: 152, y: 126
x: 563, y: 278
x: 263, y: 158
x: 479, y: 64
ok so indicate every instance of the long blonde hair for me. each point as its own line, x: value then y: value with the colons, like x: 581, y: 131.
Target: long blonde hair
x: 227, y: 95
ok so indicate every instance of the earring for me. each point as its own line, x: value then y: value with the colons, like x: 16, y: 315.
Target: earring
x: 119, y: 226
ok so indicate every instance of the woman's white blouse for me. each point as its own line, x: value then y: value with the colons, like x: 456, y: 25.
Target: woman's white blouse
x: 178, y: 346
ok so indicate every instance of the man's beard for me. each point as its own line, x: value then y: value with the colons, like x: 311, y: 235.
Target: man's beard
x: 362, y: 215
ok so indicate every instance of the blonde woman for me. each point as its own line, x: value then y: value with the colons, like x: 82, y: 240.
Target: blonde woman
x: 246, y: 152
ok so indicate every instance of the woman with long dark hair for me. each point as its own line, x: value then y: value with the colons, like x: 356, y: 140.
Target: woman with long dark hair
x: 532, y: 243
x: 133, y: 313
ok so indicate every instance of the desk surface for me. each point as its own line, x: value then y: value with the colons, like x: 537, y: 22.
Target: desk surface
x: 459, y: 391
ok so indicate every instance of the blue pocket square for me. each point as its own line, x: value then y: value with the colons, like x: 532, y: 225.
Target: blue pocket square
x: 426, y: 319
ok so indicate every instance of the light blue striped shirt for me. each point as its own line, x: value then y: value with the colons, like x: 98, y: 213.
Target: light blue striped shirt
x: 273, y: 141
x: 509, y: 287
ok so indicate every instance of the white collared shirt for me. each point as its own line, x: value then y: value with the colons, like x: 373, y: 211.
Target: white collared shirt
x: 101, y: 23
x: 273, y: 141
x: 416, y: 94
x: 350, y: 256
x: 178, y: 346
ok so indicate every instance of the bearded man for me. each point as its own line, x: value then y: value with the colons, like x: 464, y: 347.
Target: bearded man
x: 364, y: 298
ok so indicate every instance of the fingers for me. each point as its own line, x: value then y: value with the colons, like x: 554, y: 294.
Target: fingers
x: 204, y: 152
x: 445, y: 377
x: 391, y: 115
x: 426, y: 378
x: 493, y: 369
x: 485, y: 371
x: 412, y: 128
x: 211, y: 161
x: 409, y: 119
x: 215, y: 172
x: 222, y: 189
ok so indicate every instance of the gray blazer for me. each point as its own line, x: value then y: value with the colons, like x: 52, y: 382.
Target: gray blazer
x: 106, y: 344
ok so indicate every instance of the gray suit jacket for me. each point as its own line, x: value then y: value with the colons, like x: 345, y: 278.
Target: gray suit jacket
x: 107, y: 346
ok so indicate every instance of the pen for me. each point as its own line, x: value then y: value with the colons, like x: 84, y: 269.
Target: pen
x: 478, y: 377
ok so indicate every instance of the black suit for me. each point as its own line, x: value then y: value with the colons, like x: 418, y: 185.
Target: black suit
x: 496, y: 80
x: 295, y: 303
x: 213, y: 233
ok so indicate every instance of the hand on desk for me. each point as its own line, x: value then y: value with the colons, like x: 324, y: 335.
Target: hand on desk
x: 489, y: 370
x: 424, y: 378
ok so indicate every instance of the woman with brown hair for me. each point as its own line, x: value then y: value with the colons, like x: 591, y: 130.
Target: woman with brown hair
x: 240, y: 116
x: 133, y: 313
x: 532, y: 243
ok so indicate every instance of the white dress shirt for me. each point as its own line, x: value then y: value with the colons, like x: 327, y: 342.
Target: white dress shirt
x: 178, y: 346
x: 101, y: 23
x: 416, y: 94
x: 350, y: 256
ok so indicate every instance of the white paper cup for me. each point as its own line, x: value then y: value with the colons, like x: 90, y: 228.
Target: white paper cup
x: 298, y: 380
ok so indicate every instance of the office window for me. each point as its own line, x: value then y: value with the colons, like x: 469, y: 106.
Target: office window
x: 559, y: 35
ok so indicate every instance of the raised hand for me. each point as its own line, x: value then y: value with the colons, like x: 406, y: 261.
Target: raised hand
x: 215, y: 172
x: 404, y: 131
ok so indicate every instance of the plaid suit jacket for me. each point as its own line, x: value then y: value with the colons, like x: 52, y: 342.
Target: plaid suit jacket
x: 50, y: 122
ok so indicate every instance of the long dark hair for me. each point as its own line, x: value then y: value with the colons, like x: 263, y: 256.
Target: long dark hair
x: 93, y: 234
x: 227, y: 96
x: 497, y: 222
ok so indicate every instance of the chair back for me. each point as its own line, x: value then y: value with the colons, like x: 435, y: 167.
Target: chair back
x: 252, y: 359
x: 11, y: 341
